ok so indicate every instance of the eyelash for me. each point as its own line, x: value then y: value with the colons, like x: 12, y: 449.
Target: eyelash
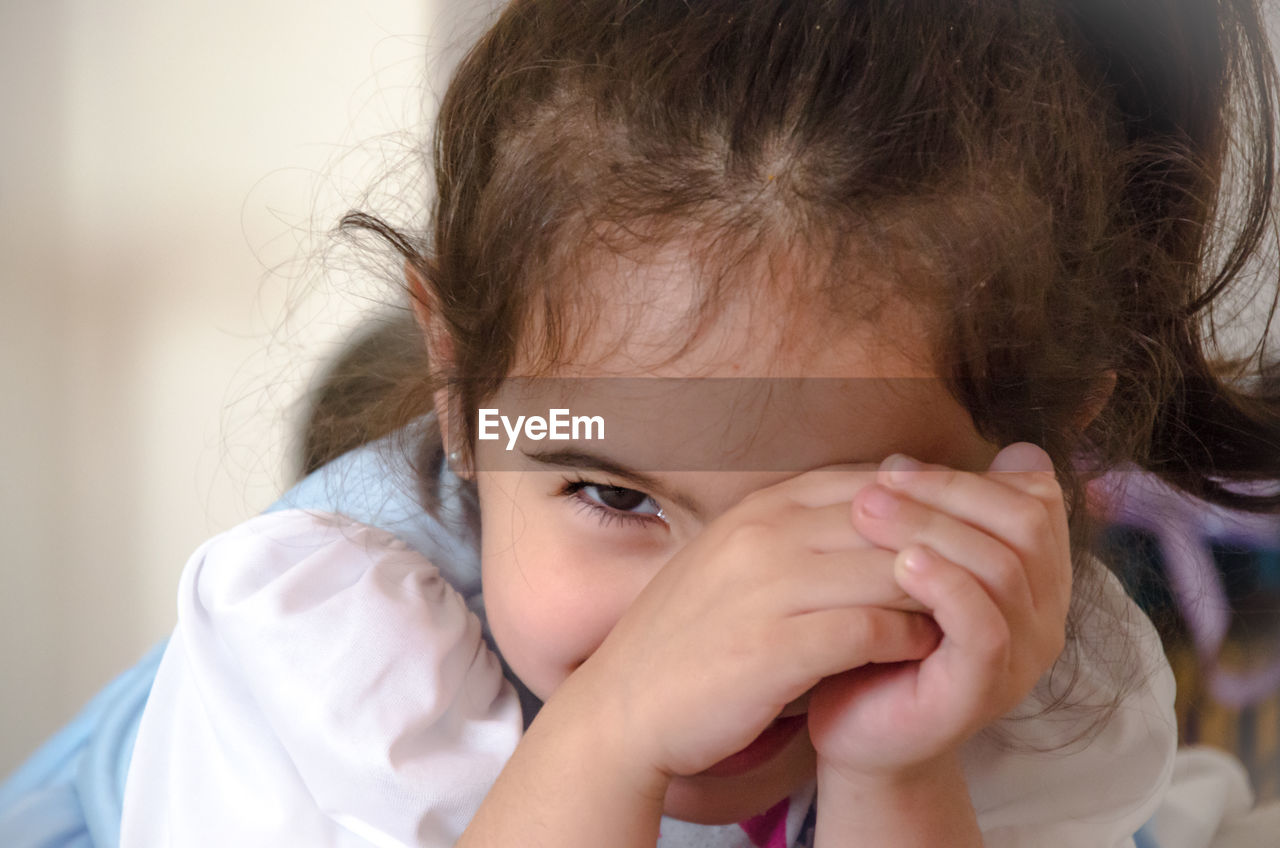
x: 604, y: 513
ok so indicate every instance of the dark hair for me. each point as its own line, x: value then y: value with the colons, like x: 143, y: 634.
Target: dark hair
x: 348, y: 405
x: 1067, y: 187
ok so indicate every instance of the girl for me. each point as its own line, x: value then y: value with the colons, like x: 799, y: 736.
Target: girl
x: 900, y: 277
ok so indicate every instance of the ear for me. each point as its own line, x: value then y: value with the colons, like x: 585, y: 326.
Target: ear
x: 439, y: 354
x: 1096, y: 400
x: 426, y: 314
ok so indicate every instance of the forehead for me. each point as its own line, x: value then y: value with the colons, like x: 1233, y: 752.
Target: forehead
x: 769, y: 384
x: 669, y: 312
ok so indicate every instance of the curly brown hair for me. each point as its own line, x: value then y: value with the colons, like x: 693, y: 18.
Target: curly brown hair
x: 1068, y: 187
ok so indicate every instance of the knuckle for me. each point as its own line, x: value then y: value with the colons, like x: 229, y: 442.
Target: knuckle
x: 749, y: 536
x: 1045, y: 486
x: 755, y: 547
x: 766, y: 507
x: 755, y: 508
x: 786, y: 512
x: 1033, y: 515
x: 1006, y: 571
x: 783, y: 488
x: 948, y: 478
x: 755, y: 496
x: 936, y: 479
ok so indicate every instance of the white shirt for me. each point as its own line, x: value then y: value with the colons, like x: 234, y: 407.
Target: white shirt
x: 326, y: 685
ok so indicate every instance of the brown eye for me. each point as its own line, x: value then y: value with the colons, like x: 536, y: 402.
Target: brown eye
x: 619, y: 498
x: 613, y: 503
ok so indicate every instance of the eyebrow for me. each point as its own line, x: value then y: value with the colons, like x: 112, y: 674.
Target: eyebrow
x: 588, y: 461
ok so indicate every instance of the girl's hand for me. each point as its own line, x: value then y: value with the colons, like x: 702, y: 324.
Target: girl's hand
x: 775, y: 594
x: 989, y: 554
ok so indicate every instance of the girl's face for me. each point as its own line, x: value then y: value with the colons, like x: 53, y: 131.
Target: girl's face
x: 565, y: 550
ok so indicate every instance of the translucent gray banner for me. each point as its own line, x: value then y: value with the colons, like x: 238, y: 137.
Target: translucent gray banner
x: 657, y: 424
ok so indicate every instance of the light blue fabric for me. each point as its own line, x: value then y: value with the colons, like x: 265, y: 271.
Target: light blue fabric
x: 70, y: 792
x: 1144, y: 839
x: 375, y: 486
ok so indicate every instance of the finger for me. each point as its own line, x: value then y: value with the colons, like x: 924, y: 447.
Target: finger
x: 823, y: 529
x: 986, y: 501
x: 1022, y: 457
x: 1023, y: 518
x: 830, y: 484
x: 831, y: 641
x: 784, y: 577
x: 976, y: 649
x: 849, y: 579
x: 804, y: 582
x: 1027, y: 467
x: 1002, y: 572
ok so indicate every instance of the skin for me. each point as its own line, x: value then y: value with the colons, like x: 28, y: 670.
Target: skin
x: 664, y: 644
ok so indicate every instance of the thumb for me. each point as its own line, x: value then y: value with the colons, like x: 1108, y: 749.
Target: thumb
x: 1022, y: 456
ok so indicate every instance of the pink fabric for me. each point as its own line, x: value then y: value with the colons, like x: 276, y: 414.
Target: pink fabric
x: 769, y: 829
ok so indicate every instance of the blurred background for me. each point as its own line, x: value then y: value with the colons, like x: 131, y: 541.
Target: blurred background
x: 168, y: 177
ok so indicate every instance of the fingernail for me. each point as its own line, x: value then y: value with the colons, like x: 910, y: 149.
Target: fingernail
x: 878, y: 503
x: 914, y: 560
x: 899, y: 467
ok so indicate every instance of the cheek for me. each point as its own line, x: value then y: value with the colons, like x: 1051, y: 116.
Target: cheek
x: 551, y: 605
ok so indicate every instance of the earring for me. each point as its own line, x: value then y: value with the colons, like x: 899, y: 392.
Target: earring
x: 458, y: 467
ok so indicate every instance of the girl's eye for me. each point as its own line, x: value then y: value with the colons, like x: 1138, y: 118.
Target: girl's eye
x: 612, y: 503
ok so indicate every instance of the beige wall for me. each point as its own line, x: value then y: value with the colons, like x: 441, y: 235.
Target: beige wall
x: 163, y: 167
